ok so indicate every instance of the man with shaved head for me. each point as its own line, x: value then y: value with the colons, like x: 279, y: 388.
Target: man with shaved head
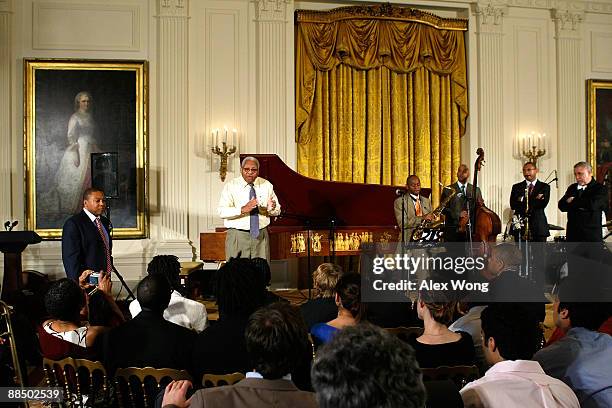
x: 458, y: 209
x: 416, y: 207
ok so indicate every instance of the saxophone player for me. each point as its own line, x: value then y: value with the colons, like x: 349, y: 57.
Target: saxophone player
x: 416, y: 207
x: 529, y: 199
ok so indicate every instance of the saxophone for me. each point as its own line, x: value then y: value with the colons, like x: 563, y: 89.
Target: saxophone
x: 417, y: 234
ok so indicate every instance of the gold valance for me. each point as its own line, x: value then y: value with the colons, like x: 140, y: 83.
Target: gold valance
x: 368, y: 37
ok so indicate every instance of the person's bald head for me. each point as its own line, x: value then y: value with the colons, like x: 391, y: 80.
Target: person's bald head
x: 463, y: 173
x: 153, y: 293
x: 413, y: 184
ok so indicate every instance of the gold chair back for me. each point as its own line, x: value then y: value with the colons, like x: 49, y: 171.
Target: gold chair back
x: 80, y: 379
x: 138, y: 393
x: 460, y: 375
x: 217, y: 380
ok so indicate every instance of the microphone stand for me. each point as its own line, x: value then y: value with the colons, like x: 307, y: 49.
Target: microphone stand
x: 115, y: 271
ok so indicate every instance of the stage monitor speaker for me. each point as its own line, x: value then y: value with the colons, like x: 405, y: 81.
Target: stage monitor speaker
x: 105, y: 173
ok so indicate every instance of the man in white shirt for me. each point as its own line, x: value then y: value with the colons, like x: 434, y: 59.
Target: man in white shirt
x: 510, y: 337
x: 246, y: 205
x: 182, y: 311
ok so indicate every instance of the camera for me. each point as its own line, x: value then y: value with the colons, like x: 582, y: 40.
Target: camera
x: 94, y: 277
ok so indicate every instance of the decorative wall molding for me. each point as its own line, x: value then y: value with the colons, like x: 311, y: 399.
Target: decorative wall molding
x: 601, y: 60
x: 173, y: 8
x: 271, y: 10
x: 570, y: 5
x: 489, y: 14
x: 5, y: 6
x: 6, y: 133
x: 568, y: 24
x: 49, y: 18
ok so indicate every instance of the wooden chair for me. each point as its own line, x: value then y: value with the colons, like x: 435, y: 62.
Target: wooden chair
x: 405, y: 333
x: 460, y: 375
x: 83, y: 381
x: 138, y: 385
x: 217, y: 380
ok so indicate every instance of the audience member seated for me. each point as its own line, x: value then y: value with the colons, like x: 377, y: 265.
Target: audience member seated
x: 221, y: 348
x: 583, y: 357
x: 511, y: 336
x: 148, y: 340
x: 63, y: 334
x: 322, y: 308
x: 394, y: 310
x: 263, y: 267
x: 470, y: 323
x: 350, y: 309
x: 606, y: 326
x: 439, y: 346
x: 277, y: 342
x: 181, y: 310
x: 506, y: 285
x: 364, y: 366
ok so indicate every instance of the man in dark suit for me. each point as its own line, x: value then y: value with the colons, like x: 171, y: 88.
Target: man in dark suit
x: 87, y: 244
x: 457, y: 209
x: 536, y: 194
x: 277, y: 343
x: 584, y: 202
x: 149, y: 340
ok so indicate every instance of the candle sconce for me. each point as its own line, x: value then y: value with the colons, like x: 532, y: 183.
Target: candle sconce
x: 531, y: 146
x: 226, y: 150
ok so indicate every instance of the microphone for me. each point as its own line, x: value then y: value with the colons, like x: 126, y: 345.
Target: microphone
x: 556, y: 179
x: 13, y: 225
x: 400, y: 192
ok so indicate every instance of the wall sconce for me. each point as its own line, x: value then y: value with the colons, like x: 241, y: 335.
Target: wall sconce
x: 531, y: 146
x: 228, y: 147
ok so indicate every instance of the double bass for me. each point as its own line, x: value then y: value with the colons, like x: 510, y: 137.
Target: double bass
x: 485, y: 224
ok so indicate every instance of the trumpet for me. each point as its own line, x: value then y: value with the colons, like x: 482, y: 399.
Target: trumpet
x: 8, y: 334
x: 436, y: 222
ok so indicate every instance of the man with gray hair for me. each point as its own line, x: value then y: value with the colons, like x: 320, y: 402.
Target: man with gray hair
x: 246, y: 205
x: 584, y: 202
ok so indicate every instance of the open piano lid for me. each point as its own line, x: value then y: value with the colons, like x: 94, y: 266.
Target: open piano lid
x: 307, y: 201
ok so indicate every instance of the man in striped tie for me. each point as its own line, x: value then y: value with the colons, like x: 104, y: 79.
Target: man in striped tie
x: 247, y: 202
x: 86, y: 238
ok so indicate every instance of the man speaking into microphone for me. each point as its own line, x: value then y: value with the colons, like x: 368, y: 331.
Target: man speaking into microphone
x: 416, y: 207
x: 86, y: 241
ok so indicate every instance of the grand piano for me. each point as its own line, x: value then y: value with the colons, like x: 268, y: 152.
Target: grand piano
x: 319, y: 218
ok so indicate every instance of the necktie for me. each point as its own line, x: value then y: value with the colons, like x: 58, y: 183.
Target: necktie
x: 107, y: 254
x: 254, y: 216
x: 417, y: 208
x: 530, y: 188
x: 462, y: 189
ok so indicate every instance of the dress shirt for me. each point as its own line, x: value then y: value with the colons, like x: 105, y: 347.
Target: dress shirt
x: 518, y: 383
x: 182, y: 311
x: 93, y: 219
x: 471, y: 324
x: 582, y: 359
x: 462, y: 188
x: 235, y: 194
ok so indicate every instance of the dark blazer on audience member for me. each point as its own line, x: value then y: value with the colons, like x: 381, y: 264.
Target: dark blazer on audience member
x: 255, y: 393
x: 82, y: 245
x: 148, y: 340
x: 584, y: 212
x: 320, y: 310
x: 538, y: 224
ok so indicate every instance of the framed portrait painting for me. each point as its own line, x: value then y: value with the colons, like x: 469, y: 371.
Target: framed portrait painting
x: 85, y: 124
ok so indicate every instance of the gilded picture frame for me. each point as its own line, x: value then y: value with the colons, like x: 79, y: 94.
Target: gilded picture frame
x: 73, y: 108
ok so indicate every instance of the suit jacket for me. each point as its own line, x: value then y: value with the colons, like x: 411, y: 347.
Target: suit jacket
x: 148, y: 340
x: 452, y: 212
x: 538, y: 224
x: 82, y: 245
x: 584, y: 212
x: 255, y: 393
x: 411, y: 220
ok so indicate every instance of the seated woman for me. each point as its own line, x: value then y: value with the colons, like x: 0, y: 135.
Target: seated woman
x: 439, y: 346
x: 63, y: 335
x: 323, y: 307
x: 350, y: 309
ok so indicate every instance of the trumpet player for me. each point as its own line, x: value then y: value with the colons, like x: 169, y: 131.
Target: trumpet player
x: 416, y: 207
x: 529, y: 199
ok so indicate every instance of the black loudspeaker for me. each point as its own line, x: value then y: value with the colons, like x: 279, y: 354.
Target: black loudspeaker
x: 105, y: 173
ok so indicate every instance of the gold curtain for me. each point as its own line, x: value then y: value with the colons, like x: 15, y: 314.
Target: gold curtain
x: 381, y: 93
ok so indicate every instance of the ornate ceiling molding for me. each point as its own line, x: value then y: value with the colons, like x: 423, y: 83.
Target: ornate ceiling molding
x: 598, y: 6
x: 173, y: 8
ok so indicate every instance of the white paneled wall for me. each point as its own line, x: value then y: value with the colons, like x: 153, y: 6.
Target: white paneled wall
x: 217, y: 63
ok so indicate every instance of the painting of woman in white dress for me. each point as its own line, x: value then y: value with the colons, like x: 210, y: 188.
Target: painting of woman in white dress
x: 75, y: 109
x: 74, y: 174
